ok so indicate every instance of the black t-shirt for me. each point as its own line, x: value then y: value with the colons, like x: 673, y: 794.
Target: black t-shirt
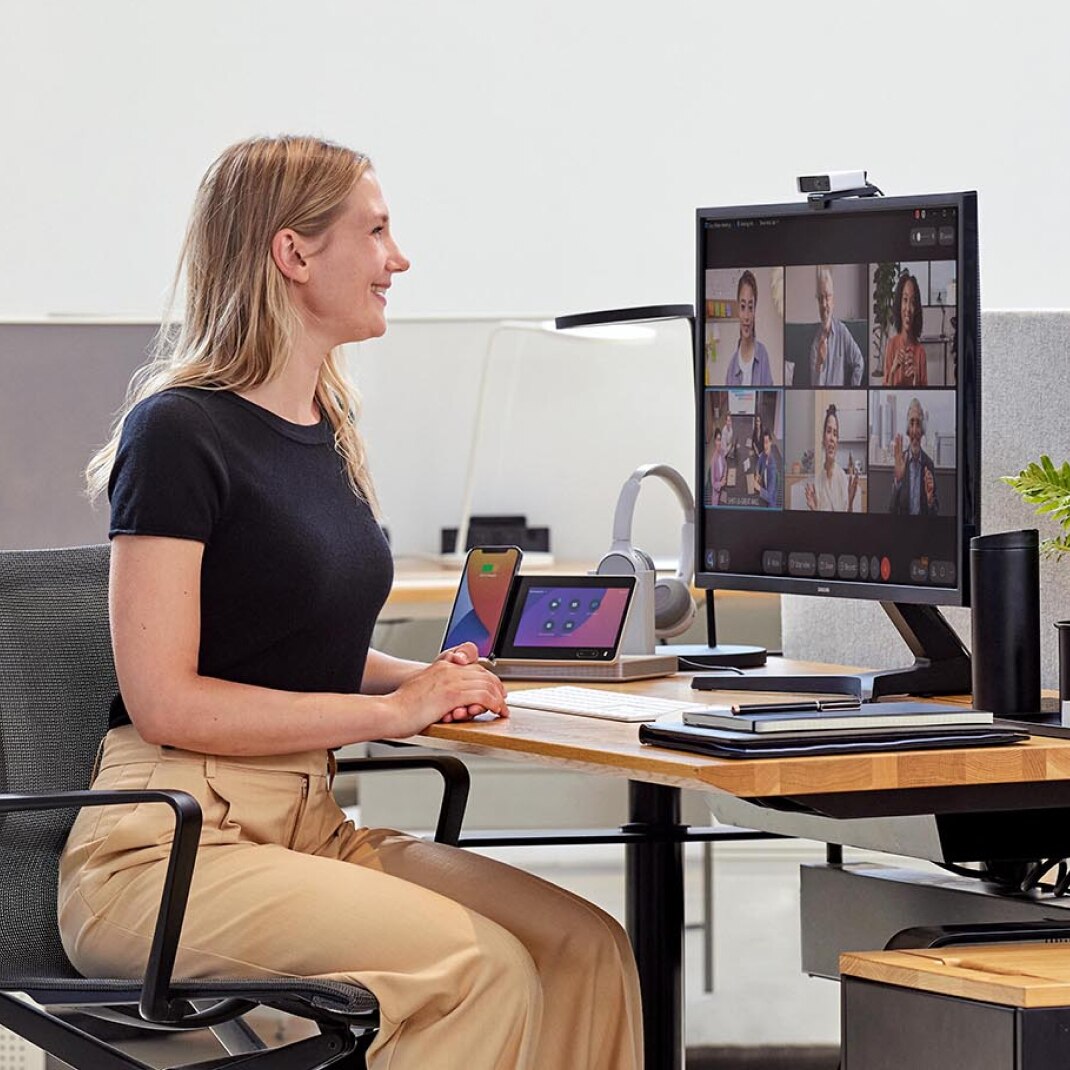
x: 295, y: 567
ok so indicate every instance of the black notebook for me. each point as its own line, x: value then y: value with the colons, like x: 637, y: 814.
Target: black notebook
x: 725, y: 743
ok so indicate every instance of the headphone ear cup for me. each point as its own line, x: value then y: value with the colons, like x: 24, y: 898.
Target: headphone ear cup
x: 674, y: 608
x: 645, y: 558
x: 625, y: 562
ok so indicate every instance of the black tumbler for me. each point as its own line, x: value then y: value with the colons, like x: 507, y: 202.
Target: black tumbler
x: 1005, y: 595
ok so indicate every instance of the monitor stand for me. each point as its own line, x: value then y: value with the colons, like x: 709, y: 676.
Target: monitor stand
x: 714, y: 655
x: 941, y: 665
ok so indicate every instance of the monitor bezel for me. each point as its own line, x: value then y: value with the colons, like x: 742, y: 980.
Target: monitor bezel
x: 968, y: 403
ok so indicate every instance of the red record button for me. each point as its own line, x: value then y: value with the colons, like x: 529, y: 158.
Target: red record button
x: 886, y: 569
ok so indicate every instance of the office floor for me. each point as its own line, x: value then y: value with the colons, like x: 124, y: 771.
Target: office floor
x: 763, y: 1013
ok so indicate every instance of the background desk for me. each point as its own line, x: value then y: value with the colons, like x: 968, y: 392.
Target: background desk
x: 862, y: 800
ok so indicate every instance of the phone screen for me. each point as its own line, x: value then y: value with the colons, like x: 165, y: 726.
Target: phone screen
x: 481, y: 597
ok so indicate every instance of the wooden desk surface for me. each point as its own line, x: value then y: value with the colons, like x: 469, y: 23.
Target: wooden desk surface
x: 613, y: 748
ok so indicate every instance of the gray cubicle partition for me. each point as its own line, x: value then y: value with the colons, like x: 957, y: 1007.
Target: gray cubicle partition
x: 60, y: 384
x: 1025, y: 411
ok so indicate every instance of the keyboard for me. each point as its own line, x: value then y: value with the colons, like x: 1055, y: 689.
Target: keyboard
x: 592, y: 702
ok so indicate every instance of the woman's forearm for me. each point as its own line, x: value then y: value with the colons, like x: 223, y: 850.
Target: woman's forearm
x: 384, y: 673
x: 220, y: 717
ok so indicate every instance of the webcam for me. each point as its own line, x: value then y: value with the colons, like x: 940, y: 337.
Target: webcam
x: 822, y: 190
x: 832, y: 182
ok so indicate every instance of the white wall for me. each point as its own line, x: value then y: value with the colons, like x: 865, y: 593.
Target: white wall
x: 539, y: 157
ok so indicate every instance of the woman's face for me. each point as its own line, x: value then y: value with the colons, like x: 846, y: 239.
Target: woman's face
x: 747, y: 302
x: 831, y: 439
x: 907, y: 304
x: 717, y: 441
x: 351, y: 268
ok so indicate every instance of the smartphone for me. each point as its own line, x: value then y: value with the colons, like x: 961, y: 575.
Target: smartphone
x: 478, y: 609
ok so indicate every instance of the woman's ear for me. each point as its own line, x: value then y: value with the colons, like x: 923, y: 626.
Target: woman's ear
x: 288, y: 252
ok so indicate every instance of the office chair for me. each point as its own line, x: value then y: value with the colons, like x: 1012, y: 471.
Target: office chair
x: 57, y: 680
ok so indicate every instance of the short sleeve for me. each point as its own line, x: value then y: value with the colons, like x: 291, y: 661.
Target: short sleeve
x: 170, y: 475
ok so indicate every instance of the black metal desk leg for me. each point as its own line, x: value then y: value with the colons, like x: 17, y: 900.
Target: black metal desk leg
x: 655, y: 915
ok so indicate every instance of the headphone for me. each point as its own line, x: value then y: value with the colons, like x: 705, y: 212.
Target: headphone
x: 674, y: 608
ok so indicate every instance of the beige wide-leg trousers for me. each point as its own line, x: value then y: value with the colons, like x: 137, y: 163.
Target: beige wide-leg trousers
x: 475, y: 964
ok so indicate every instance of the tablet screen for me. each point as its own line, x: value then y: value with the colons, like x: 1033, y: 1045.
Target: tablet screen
x: 578, y: 618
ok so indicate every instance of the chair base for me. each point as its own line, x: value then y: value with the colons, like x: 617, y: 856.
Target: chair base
x: 335, y: 1044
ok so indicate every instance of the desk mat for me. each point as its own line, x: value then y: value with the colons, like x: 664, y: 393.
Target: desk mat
x: 724, y: 743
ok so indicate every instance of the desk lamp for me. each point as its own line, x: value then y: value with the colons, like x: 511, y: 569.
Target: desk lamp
x: 712, y: 654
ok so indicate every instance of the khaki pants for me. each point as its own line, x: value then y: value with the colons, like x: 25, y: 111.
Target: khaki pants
x: 475, y: 964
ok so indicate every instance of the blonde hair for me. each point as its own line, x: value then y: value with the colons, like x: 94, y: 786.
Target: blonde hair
x: 240, y: 322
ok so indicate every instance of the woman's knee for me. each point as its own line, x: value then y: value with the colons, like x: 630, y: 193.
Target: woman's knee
x: 508, y: 972
x: 582, y: 929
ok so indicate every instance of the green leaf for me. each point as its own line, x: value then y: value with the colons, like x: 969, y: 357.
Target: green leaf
x: 1048, y: 488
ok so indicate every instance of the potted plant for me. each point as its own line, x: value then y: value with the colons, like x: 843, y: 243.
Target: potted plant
x: 1048, y: 488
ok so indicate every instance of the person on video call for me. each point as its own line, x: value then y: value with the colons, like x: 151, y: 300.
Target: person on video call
x: 718, y: 469
x: 728, y: 442
x: 905, y: 363
x: 835, y: 359
x: 749, y: 365
x: 914, y: 487
x: 832, y: 490
x: 247, y: 571
x: 767, y: 473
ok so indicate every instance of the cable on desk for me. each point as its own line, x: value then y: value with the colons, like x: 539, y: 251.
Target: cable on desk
x: 687, y: 663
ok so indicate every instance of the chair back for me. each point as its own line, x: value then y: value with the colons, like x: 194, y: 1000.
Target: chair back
x: 57, y: 680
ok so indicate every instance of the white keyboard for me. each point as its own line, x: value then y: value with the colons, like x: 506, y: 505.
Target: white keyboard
x: 591, y: 702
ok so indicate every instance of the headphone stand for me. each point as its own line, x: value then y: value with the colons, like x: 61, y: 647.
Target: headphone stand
x: 714, y: 655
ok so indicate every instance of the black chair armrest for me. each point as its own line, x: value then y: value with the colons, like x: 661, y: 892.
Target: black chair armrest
x: 155, y: 1004
x: 456, y: 783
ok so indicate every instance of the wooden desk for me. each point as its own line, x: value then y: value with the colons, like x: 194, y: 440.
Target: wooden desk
x: 598, y: 746
x: 836, y: 799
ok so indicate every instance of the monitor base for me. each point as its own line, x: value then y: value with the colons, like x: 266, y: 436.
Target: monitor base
x: 941, y: 665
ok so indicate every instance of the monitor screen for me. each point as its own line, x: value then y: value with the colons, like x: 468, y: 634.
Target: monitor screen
x: 838, y: 397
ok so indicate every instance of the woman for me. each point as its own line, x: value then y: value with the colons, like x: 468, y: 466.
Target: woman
x: 247, y: 571
x: 905, y: 363
x: 832, y: 491
x: 718, y: 470
x: 756, y: 435
x: 749, y: 365
x: 728, y: 439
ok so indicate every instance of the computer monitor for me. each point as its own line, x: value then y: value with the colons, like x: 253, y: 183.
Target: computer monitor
x: 838, y: 409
